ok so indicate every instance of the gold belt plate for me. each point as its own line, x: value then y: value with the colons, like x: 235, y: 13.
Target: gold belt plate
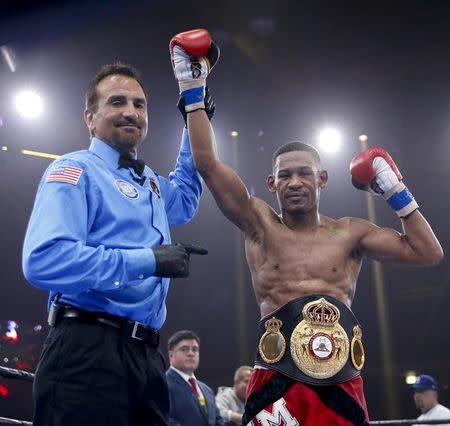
x: 319, y: 344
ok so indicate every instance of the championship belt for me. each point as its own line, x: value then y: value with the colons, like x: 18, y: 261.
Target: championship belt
x: 325, y: 341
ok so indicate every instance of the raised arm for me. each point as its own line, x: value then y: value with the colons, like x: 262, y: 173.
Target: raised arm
x: 375, y: 171
x: 228, y: 190
x: 193, y: 56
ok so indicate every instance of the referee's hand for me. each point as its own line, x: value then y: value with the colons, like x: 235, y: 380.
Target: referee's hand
x: 172, y: 260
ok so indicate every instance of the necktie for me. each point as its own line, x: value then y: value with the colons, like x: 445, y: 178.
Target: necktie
x: 126, y: 160
x: 197, y: 392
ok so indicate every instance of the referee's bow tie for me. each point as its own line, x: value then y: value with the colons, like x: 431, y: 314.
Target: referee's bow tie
x: 126, y: 160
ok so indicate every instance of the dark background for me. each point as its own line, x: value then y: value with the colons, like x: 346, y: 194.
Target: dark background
x: 288, y: 68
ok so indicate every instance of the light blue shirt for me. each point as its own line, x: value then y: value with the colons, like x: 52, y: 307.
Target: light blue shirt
x: 92, y: 225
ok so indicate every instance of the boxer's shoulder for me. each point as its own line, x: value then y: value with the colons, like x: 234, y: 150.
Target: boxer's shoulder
x: 358, y: 227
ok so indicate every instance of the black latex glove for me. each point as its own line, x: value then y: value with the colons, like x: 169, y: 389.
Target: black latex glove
x: 172, y: 260
x: 210, y: 106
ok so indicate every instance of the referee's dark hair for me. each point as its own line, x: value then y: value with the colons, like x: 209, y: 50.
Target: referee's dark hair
x: 116, y: 68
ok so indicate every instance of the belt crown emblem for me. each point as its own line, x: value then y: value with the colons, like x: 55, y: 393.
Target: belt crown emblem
x: 273, y: 325
x: 321, y: 312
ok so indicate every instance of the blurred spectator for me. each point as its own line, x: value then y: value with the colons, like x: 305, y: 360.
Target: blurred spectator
x: 231, y: 400
x: 426, y: 399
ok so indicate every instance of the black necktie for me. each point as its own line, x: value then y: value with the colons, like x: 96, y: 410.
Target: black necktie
x: 126, y: 160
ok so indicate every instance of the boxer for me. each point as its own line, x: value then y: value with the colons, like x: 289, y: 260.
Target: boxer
x: 304, y: 265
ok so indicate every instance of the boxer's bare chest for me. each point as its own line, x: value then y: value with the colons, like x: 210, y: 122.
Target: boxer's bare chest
x: 287, y: 264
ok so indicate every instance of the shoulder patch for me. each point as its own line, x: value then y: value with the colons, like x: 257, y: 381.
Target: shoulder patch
x: 65, y: 174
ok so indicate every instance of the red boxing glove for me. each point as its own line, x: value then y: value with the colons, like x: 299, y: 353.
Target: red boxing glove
x: 195, y: 43
x: 374, y: 170
x: 363, y: 171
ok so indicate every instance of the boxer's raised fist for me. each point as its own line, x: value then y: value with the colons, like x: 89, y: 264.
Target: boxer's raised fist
x: 374, y: 170
x: 195, y: 43
x: 193, y: 55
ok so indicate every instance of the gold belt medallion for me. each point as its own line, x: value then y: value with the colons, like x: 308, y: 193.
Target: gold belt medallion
x: 272, y: 344
x: 319, y: 345
x: 357, y: 349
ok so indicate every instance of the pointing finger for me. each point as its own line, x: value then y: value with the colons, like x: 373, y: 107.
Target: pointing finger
x: 192, y: 249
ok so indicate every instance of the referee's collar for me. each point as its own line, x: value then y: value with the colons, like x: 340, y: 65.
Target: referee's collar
x: 105, y: 152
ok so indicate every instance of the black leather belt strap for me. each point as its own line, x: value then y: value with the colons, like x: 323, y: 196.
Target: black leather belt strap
x: 340, y: 401
x: 332, y: 396
x: 131, y: 329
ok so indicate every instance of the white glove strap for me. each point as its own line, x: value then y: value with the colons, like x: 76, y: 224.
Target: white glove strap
x: 191, y: 74
x: 385, y: 177
x: 186, y: 67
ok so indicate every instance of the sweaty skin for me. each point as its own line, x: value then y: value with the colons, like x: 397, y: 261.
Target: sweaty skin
x: 291, y: 264
x: 300, y: 251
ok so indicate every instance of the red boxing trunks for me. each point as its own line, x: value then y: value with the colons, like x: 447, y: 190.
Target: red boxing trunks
x: 309, y: 405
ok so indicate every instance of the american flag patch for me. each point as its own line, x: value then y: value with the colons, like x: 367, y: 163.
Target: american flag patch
x: 66, y: 174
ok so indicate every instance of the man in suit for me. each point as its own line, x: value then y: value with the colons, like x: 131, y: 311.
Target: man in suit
x: 192, y: 402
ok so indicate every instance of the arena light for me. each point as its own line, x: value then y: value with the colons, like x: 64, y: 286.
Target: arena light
x: 39, y: 154
x: 4, y: 392
x: 363, y: 138
x: 8, y: 57
x: 29, y: 104
x: 410, y: 377
x: 234, y: 133
x: 330, y: 140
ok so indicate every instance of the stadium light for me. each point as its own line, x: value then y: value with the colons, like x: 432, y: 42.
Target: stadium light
x: 363, y: 138
x: 330, y: 140
x: 29, y: 104
x: 410, y: 377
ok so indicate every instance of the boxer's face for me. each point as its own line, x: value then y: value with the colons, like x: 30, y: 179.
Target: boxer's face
x: 185, y: 356
x: 297, y: 181
x: 121, y: 116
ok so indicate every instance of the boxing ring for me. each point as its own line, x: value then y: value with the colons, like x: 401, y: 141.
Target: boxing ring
x: 5, y: 421
x: 12, y: 373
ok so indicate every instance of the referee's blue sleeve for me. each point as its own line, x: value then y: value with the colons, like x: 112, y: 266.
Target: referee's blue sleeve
x: 55, y: 254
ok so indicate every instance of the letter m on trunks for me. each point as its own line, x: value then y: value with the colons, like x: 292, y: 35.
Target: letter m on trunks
x: 280, y: 416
